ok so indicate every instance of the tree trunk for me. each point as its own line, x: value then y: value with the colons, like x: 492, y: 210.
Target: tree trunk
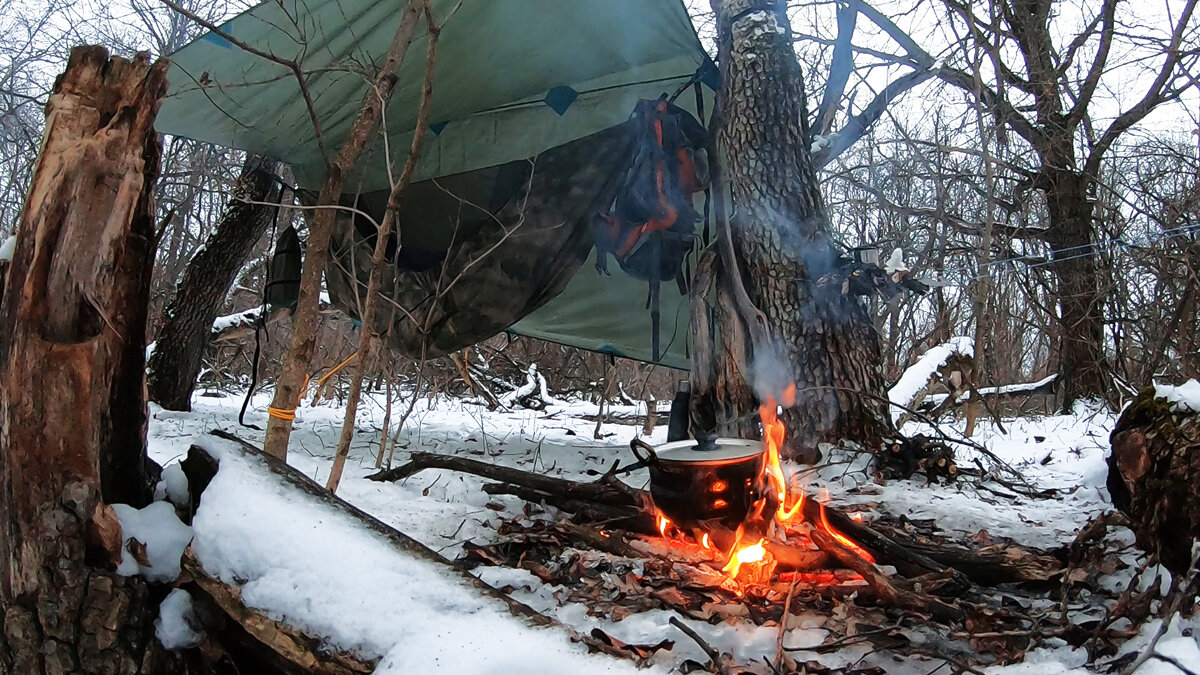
x: 289, y: 385
x: 1082, y: 366
x: 72, y: 406
x: 824, y: 341
x: 1154, y: 476
x: 189, y: 317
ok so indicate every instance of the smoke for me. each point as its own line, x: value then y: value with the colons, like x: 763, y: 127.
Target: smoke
x: 770, y: 371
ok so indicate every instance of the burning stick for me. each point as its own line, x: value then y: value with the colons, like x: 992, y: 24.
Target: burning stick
x: 883, y: 587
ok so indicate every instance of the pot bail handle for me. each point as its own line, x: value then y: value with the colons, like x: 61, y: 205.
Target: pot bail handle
x: 638, y: 446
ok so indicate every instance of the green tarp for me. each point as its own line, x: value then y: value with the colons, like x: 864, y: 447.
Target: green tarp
x: 513, y: 78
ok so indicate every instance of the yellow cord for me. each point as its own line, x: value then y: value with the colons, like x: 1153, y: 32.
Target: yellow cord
x: 281, y: 413
x: 325, y: 378
x: 289, y: 414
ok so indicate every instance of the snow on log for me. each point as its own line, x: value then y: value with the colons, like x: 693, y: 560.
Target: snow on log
x: 916, y: 379
x: 1021, y: 389
x: 293, y: 552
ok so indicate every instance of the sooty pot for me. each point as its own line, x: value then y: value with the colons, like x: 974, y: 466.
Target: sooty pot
x: 697, y: 482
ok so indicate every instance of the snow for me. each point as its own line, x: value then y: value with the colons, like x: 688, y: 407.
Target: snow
x: 173, y: 487
x: 305, y: 563
x: 161, y: 531
x: 316, y: 568
x: 895, y: 263
x: 917, y: 376
x: 228, y: 321
x: 1185, y: 397
x: 1001, y: 390
x: 8, y: 248
x: 174, y: 626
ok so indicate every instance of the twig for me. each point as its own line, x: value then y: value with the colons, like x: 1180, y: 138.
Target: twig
x: 293, y: 66
x: 713, y: 655
x: 783, y: 623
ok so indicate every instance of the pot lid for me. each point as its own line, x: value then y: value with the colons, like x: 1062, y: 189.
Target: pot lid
x: 722, y: 449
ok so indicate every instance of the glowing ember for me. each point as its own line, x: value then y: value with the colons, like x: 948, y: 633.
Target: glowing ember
x: 704, y: 541
x: 750, y: 554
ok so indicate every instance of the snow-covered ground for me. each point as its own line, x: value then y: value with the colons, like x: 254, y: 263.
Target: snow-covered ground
x: 312, y: 566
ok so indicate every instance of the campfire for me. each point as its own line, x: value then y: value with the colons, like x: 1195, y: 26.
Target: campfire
x: 774, y: 521
x: 725, y: 534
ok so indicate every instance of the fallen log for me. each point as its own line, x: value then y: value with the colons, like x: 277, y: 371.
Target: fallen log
x: 282, y: 647
x: 607, y: 490
x: 200, y: 467
x: 887, y: 592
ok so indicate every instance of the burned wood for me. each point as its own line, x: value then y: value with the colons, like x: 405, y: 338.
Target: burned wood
x: 887, y: 551
x: 887, y: 592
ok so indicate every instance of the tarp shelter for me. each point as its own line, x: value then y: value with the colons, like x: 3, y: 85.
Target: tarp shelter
x: 515, y: 79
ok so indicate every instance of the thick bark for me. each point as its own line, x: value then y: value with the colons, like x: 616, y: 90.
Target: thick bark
x: 1082, y: 366
x: 173, y: 366
x: 823, y: 339
x: 72, y: 406
x: 1154, y: 476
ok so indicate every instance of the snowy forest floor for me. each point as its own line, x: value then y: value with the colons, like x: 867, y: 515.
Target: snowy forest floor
x: 311, y: 570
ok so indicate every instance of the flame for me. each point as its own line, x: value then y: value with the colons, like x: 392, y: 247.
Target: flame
x: 788, y: 510
x: 747, y: 554
x: 843, y: 539
x: 662, y: 522
x: 773, y: 436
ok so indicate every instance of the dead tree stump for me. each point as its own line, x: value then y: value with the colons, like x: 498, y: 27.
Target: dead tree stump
x: 1154, y: 476
x: 72, y: 402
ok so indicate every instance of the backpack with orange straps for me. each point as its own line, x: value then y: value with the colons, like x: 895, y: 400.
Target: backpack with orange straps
x: 651, y: 225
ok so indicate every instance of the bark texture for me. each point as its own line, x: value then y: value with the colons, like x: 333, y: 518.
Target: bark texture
x: 72, y: 405
x: 1154, y: 477
x: 821, y: 338
x: 187, y: 328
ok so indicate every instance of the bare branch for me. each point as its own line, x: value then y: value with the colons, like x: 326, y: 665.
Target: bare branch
x: 293, y: 66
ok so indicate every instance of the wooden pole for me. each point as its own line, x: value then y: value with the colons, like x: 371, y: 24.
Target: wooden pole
x: 289, y: 386
x: 379, y: 257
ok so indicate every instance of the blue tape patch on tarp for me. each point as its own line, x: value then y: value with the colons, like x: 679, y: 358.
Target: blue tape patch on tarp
x: 217, y: 39
x: 561, y: 98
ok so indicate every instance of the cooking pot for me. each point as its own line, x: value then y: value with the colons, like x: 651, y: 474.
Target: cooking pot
x: 694, y: 482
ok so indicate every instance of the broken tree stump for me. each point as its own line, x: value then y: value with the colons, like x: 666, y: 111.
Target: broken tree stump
x: 72, y: 358
x: 1154, y: 476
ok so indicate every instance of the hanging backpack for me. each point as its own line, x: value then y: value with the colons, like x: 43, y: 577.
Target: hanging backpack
x: 650, y: 227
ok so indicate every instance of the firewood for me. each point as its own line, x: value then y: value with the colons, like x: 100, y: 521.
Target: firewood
x: 608, y: 501
x: 887, y: 592
x: 607, y: 491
